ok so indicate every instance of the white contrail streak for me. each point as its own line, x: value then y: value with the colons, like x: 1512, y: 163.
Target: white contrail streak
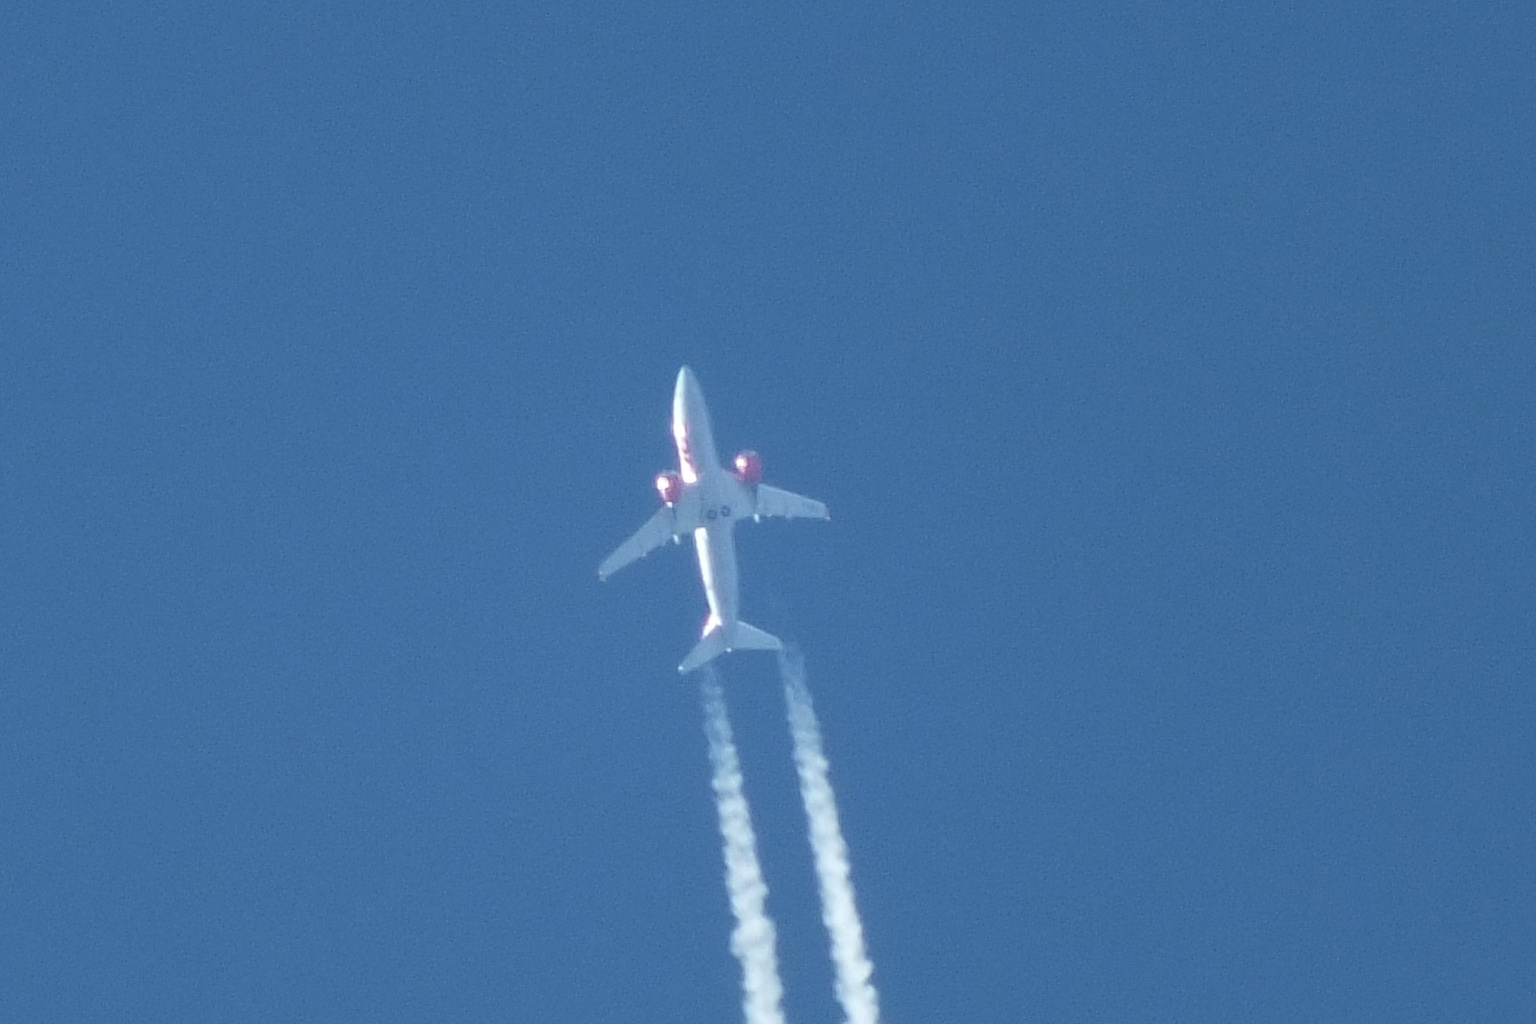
x: 753, y: 939
x: 861, y: 1004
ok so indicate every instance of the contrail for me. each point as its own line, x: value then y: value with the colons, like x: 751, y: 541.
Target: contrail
x: 753, y: 939
x: 861, y: 1004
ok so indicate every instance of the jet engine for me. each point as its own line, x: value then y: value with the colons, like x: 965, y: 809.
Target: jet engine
x: 670, y: 487
x: 749, y: 467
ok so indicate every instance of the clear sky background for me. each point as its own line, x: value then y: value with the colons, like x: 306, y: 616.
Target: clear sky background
x: 1169, y: 370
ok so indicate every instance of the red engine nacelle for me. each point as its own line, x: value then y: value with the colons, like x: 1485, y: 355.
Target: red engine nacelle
x: 670, y: 487
x: 749, y: 467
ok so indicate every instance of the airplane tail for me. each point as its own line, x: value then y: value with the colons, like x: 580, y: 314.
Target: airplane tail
x: 750, y: 638
x: 714, y: 644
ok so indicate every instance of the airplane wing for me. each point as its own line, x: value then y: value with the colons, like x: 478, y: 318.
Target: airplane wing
x: 657, y: 530
x: 773, y: 502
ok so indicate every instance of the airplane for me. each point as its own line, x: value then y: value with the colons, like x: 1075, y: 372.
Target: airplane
x: 707, y: 500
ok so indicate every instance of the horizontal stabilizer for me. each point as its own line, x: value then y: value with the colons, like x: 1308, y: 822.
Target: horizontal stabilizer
x: 750, y: 638
x: 705, y: 651
x: 743, y: 638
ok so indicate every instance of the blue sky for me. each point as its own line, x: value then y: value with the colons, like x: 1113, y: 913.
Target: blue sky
x: 1168, y: 370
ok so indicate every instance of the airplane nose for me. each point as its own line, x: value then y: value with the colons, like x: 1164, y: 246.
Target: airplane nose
x: 687, y: 384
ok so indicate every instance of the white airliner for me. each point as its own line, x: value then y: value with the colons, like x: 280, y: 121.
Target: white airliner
x: 706, y: 500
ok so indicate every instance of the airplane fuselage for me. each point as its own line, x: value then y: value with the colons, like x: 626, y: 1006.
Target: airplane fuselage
x: 720, y: 498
